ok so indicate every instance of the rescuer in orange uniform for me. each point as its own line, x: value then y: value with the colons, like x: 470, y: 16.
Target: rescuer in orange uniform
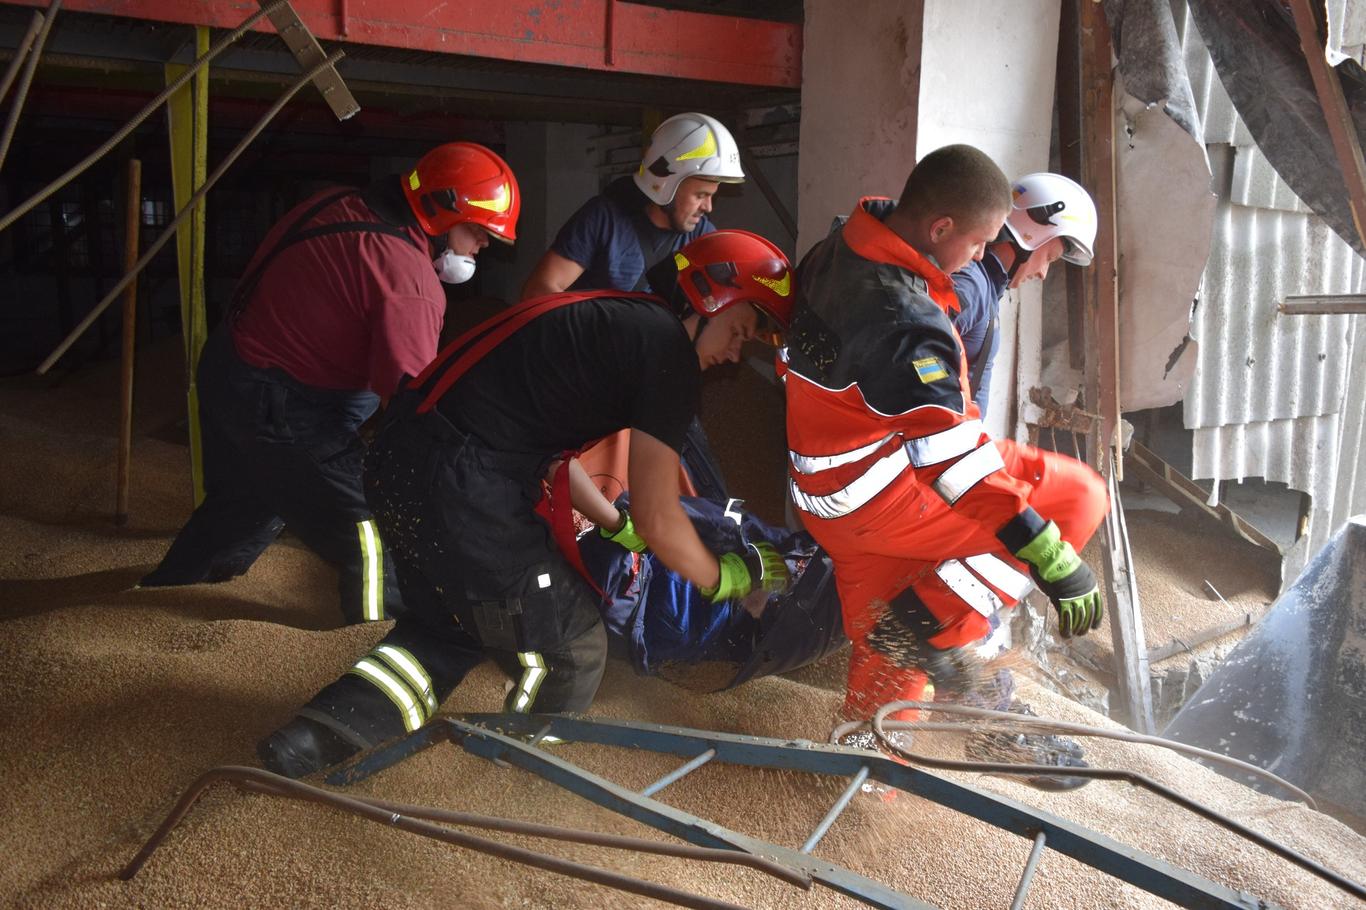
x: 929, y: 521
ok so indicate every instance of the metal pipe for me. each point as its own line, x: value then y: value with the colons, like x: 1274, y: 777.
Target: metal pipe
x: 596, y: 839
x: 20, y: 50
x: 1031, y: 864
x: 1006, y: 721
x: 681, y: 771
x: 131, y: 224
x: 1323, y: 305
x: 26, y: 80
x: 76, y: 170
x: 282, y: 786
x: 854, y: 783
x: 184, y: 213
x: 1125, y: 776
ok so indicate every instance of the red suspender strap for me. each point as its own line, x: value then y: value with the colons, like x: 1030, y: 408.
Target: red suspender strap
x: 559, y: 514
x: 492, y: 332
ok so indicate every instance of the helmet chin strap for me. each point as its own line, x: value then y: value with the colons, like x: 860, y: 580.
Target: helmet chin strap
x: 1021, y: 254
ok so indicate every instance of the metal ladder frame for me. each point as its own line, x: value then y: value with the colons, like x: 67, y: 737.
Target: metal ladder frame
x: 511, y: 739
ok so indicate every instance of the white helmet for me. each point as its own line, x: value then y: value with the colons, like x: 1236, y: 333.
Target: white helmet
x: 1051, y: 205
x: 687, y: 145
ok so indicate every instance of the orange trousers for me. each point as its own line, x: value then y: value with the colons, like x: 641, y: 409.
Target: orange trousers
x: 898, y: 541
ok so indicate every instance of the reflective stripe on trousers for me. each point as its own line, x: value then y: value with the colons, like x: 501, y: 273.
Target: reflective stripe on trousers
x: 533, y: 673
x: 372, y: 571
x: 403, y: 679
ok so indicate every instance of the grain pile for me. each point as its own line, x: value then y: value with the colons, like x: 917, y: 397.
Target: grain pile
x: 117, y: 699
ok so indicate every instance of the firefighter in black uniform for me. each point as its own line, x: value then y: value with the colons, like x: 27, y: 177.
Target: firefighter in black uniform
x: 457, y: 479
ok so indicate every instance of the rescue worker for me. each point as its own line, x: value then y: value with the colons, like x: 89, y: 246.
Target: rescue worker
x: 614, y: 239
x: 928, y: 520
x: 1051, y: 218
x: 342, y: 298
x: 455, y: 476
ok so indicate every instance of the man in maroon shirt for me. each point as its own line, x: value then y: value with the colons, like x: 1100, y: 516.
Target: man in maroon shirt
x: 341, y: 300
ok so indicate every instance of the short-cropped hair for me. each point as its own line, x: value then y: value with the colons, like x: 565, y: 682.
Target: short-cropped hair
x: 959, y: 181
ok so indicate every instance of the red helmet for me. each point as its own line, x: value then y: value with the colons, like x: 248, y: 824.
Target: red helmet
x: 463, y: 182
x: 723, y: 268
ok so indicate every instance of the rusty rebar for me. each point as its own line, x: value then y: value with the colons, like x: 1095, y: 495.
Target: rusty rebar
x: 184, y: 213
x: 394, y: 815
x: 26, y: 80
x: 80, y: 167
x: 21, y: 52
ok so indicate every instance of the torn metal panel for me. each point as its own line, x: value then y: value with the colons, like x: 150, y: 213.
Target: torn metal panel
x: 1161, y: 258
x: 1160, y: 155
x: 1256, y: 49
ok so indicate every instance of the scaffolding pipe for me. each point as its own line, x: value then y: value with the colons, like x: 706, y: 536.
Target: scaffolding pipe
x: 27, y: 205
x: 184, y: 213
x: 132, y: 222
x: 30, y: 66
x: 20, y: 51
x: 281, y: 786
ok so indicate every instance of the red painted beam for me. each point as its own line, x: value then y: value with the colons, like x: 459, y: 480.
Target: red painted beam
x: 639, y: 39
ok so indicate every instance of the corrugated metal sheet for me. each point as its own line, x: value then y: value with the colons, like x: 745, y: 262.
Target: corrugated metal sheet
x: 1277, y: 397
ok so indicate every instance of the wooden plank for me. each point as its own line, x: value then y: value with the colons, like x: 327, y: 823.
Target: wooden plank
x: 1126, y: 619
x: 309, y: 53
x: 1183, y: 491
x: 1324, y: 305
x: 1341, y: 128
x: 1101, y: 278
x: 1070, y: 132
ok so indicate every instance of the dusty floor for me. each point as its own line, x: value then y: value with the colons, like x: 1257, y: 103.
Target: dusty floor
x: 118, y: 699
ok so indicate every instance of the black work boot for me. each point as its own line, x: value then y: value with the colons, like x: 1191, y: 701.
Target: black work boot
x: 303, y: 746
x: 1032, y: 749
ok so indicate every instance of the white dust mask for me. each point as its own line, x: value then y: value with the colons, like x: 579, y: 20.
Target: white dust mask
x: 452, y: 268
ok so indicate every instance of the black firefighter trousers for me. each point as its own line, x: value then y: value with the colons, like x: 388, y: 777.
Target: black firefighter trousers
x: 278, y: 453
x: 481, y: 577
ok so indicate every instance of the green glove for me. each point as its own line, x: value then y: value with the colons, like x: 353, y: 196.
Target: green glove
x: 760, y: 566
x: 1065, y: 579
x: 625, y: 535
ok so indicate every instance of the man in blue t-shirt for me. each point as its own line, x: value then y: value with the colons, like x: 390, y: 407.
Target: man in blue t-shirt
x: 1052, y: 218
x: 614, y: 239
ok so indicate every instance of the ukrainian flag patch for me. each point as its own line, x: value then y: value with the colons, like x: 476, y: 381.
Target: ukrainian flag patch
x: 930, y: 369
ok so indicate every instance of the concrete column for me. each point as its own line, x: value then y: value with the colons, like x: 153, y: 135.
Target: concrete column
x: 860, y: 96
x: 557, y: 172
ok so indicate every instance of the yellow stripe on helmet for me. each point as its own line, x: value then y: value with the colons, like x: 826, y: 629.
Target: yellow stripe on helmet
x: 706, y: 150
x: 780, y: 286
x: 501, y: 202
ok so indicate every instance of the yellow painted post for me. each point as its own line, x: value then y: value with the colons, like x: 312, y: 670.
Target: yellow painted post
x: 188, y: 117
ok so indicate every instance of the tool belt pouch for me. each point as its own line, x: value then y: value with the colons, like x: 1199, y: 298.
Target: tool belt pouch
x: 521, y: 610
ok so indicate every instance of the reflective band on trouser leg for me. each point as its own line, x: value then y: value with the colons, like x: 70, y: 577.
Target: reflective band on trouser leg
x: 372, y: 572
x: 1000, y: 575
x: 968, y: 471
x: 410, y: 706
x: 402, y: 662
x: 530, y: 682
x: 814, y: 464
x: 943, y: 446
x: 857, y: 494
x: 963, y: 583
